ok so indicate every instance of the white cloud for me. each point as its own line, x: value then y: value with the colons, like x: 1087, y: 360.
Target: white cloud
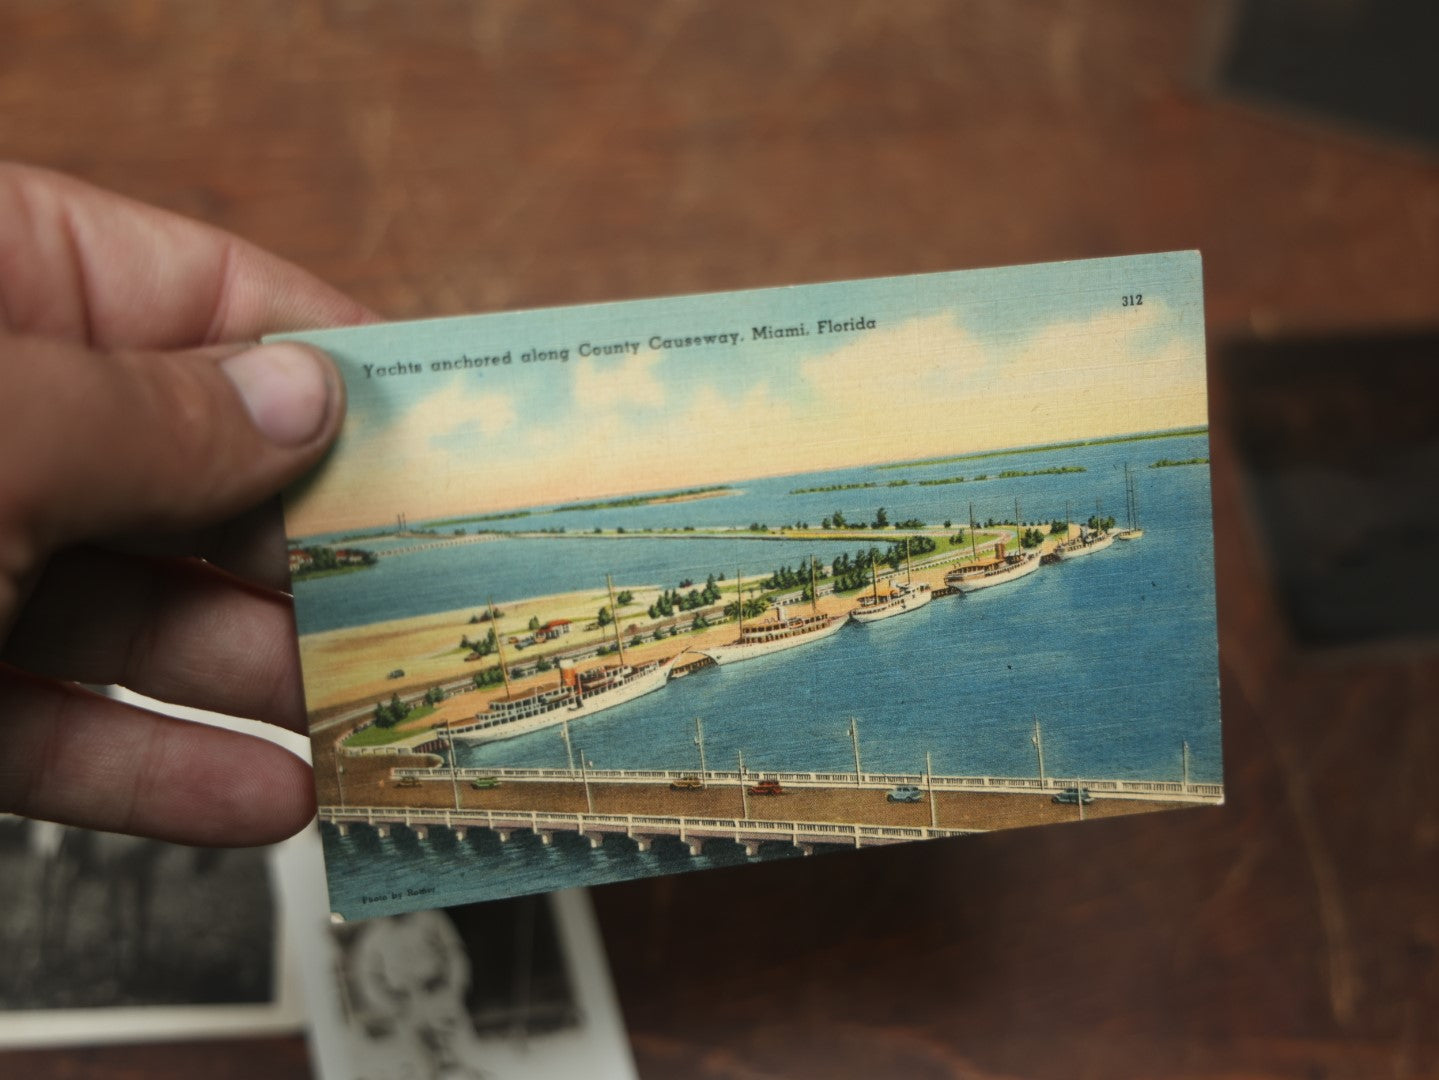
x: 601, y: 384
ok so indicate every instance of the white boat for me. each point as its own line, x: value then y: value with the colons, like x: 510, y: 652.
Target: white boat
x: 579, y: 694
x: 773, y: 635
x: 900, y: 599
x: 997, y: 571
x: 1086, y: 543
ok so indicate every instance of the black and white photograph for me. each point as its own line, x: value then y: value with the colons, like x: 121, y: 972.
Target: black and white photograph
x: 98, y: 919
x: 115, y: 938
x: 514, y: 989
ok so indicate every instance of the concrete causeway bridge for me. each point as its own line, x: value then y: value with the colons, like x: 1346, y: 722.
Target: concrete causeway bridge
x: 811, y: 809
x: 643, y: 829
x: 1183, y: 791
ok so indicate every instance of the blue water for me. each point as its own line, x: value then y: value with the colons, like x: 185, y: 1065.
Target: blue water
x: 1114, y: 654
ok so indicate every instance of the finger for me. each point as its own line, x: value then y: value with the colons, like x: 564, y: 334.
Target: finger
x: 250, y: 546
x: 134, y: 442
x: 176, y: 631
x: 93, y: 266
x: 74, y: 757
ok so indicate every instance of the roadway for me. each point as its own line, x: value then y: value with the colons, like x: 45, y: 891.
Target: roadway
x: 367, y: 782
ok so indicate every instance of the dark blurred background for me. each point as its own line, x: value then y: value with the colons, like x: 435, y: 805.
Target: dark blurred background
x: 443, y: 157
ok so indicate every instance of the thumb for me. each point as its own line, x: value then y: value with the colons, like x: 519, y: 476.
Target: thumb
x: 127, y: 442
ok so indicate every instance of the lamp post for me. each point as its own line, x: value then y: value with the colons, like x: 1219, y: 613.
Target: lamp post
x: 454, y: 780
x: 929, y: 780
x: 700, y: 742
x: 340, y: 774
x: 1038, y: 740
x: 1186, y: 766
x: 585, y: 777
x: 569, y: 749
x: 743, y: 791
x: 854, y: 739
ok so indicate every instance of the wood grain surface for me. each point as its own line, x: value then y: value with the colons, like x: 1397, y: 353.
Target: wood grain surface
x: 443, y: 157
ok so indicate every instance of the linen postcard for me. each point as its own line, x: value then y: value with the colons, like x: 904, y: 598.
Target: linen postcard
x: 593, y: 593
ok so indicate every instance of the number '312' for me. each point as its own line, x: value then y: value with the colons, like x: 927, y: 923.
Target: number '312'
x: 1131, y: 299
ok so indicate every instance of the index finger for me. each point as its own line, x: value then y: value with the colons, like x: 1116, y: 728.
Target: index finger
x: 86, y: 264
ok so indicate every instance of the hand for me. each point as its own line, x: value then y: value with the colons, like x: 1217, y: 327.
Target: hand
x: 141, y: 432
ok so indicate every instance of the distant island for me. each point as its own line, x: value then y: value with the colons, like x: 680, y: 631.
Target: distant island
x: 1007, y: 474
x: 1048, y: 446
x: 687, y: 495
x: 1166, y: 463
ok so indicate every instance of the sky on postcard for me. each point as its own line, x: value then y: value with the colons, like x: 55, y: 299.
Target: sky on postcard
x: 955, y: 363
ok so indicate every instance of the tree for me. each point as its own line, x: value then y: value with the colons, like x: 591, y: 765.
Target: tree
x: 838, y: 519
x: 489, y: 677
x: 881, y: 519
x: 625, y: 597
x: 604, y: 618
x: 534, y: 623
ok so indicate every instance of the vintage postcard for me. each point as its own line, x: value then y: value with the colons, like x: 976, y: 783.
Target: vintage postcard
x: 592, y: 593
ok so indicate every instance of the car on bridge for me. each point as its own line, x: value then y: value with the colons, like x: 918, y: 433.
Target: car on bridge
x: 1074, y: 796
x: 767, y: 787
x: 687, y: 783
x: 480, y: 783
x: 408, y: 781
x: 904, y: 793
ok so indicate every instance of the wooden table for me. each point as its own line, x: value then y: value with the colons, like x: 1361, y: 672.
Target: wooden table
x: 446, y: 157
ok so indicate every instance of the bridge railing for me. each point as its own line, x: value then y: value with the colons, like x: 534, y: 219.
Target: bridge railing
x: 633, y: 824
x: 1203, y: 791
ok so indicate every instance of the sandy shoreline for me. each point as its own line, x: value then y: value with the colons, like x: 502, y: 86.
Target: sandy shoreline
x: 353, y: 667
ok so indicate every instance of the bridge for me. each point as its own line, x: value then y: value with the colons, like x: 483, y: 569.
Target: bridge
x: 643, y: 829
x: 1179, y: 791
x: 808, y: 809
x: 439, y: 542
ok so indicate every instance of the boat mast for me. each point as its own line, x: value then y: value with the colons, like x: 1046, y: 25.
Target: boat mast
x: 499, y: 649
x: 908, y: 570
x: 873, y: 582
x: 615, y: 615
x: 973, y: 549
x: 813, y: 589
x: 739, y: 599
